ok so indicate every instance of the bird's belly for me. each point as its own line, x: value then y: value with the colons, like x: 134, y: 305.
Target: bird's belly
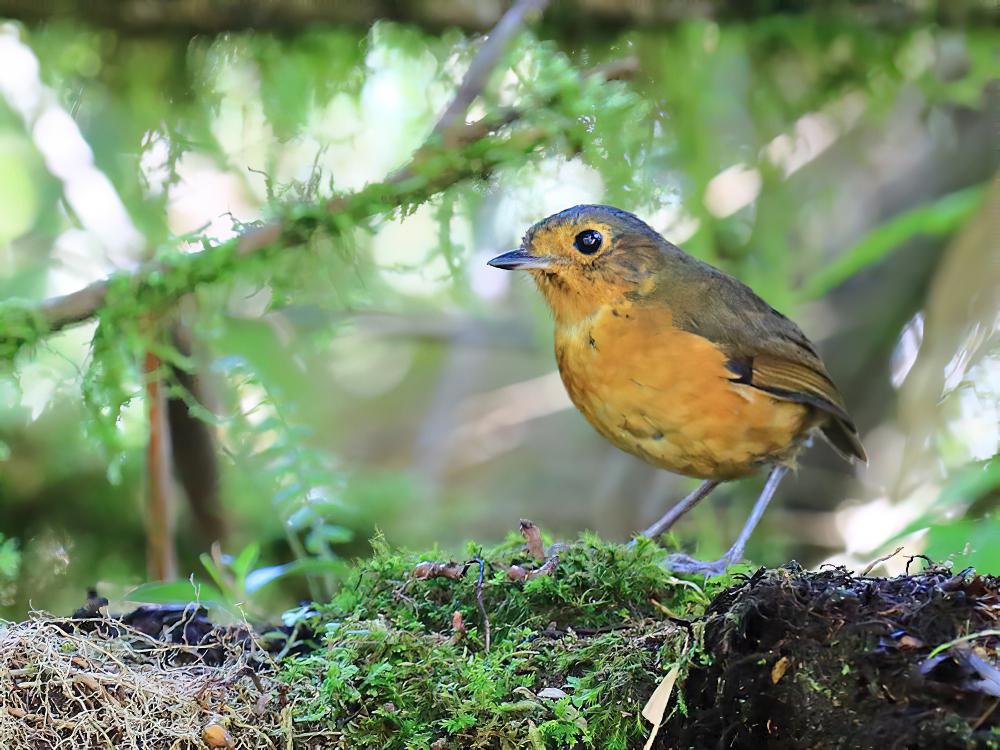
x: 666, y: 396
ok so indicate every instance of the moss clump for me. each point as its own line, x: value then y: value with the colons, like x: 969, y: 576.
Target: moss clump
x: 573, y: 658
x: 21, y: 326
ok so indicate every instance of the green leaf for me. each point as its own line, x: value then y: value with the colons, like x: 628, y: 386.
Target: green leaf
x: 262, y: 577
x: 327, y: 533
x: 217, y: 575
x: 970, y: 542
x: 245, y: 561
x: 963, y: 488
x: 939, y: 217
x: 10, y: 558
x: 174, y: 592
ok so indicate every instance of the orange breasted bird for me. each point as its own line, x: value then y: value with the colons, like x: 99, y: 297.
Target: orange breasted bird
x: 678, y: 363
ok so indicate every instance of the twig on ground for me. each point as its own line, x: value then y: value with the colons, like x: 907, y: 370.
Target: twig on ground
x: 520, y: 573
x: 454, y: 571
x: 911, y: 558
x: 985, y: 715
x: 532, y: 539
x: 451, y: 570
x: 479, y: 602
x: 868, y: 569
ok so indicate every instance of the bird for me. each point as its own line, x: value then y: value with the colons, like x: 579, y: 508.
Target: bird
x: 678, y: 363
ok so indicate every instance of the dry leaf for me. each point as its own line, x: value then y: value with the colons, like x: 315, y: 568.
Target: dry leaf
x: 779, y: 669
x: 657, y: 704
x: 428, y: 569
x: 260, y: 707
x: 87, y: 680
x: 532, y: 539
x: 545, y: 569
x: 517, y: 573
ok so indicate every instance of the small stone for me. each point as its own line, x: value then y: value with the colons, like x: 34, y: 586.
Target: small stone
x: 552, y: 693
x: 216, y: 735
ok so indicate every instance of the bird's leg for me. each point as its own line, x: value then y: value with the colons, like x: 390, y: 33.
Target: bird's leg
x: 669, y: 518
x: 683, y: 564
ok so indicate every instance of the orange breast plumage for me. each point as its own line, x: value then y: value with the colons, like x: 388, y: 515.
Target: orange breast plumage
x: 666, y: 395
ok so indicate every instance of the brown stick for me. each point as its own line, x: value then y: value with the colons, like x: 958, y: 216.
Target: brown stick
x: 482, y: 65
x: 161, y: 559
x: 480, y: 605
x: 878, y: 560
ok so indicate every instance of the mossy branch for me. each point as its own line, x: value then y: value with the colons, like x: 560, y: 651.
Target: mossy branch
x: 455, y: 151
x: 569, y: 18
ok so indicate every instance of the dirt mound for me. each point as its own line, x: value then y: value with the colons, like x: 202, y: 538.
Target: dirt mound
x: 834, y: 660
x: 518, y: 648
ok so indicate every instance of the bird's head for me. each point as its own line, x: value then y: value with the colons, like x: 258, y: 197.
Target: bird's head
x: 587, y: 256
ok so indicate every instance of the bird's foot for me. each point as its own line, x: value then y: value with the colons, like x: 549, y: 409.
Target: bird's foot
x: 681, y: 563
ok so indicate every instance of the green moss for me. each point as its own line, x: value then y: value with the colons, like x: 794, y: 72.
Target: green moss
x: 394, y: 672
x: 21, y: 325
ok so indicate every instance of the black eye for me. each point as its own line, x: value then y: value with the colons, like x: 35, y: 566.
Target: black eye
x: 588, y: 241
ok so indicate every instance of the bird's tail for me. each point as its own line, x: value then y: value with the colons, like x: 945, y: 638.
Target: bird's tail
x: 843, y: 436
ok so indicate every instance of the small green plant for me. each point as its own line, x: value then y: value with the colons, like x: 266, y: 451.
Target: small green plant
x: 573, y: 655
x: 10, y: 564
x: 234, y: 581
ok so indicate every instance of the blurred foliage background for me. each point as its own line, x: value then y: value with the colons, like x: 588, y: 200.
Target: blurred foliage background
x: 838, y: 157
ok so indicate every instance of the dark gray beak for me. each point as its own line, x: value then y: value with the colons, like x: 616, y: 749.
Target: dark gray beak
x: 519, y: 260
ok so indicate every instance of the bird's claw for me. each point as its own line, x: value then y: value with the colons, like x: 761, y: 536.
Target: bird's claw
x: 681, y: 563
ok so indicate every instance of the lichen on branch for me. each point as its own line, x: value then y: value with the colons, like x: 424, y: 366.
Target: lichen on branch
x: 557, y: 113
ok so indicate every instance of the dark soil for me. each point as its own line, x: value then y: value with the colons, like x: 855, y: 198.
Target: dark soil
x: 834, y: 660
x: 189, y: 625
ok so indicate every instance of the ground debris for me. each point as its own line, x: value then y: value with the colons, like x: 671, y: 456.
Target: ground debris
x: 399, y: 659
x: 835, y: 660
x: 521, y: 573
x: 532, y: 539
x: 426, y: 569
x: 98, y: 682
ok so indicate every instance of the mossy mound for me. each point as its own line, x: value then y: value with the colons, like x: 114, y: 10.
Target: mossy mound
x: 579, y: 639
x: 574, y: 654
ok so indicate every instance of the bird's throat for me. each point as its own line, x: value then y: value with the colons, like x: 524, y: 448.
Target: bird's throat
x: 576, y: 299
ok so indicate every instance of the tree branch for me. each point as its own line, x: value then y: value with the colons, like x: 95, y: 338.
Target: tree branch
x: 569, y: 18
x: 483, y: 64
x: 455, y: 151
x: 56, y: 313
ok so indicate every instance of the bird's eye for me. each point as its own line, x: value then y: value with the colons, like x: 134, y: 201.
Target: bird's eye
x: 588, y: 241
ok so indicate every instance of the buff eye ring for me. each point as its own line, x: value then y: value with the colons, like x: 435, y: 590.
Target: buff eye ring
x: 588, y: 241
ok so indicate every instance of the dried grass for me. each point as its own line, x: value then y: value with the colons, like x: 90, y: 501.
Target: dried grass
x: 65, y: 687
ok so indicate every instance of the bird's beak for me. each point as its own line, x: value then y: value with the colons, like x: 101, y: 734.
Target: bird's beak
x: 519, y: 260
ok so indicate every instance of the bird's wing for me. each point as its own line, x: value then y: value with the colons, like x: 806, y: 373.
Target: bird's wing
x: 797, y: 381
x: 764, y: 348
